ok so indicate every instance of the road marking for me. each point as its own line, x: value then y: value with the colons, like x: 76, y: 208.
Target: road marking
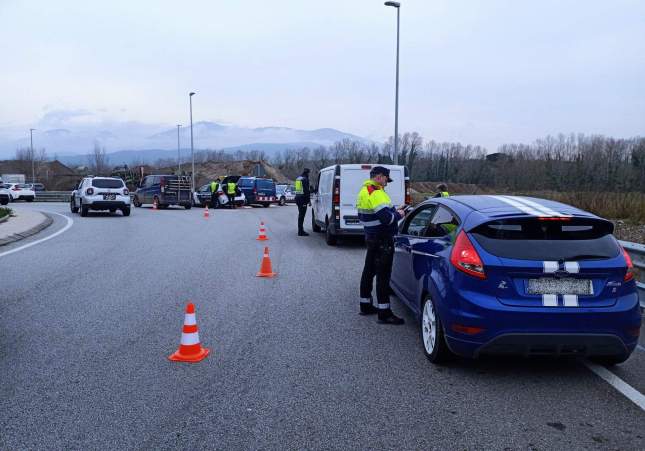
x: 70, y: 222
x: 627, y: 390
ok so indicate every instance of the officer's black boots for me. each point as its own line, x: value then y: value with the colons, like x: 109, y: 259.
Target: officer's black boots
x: 367, y: 309
x: 303, y: 233
x: 388, y: 317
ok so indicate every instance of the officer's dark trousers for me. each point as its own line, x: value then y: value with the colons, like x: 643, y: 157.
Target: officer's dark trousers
x: 378, y: 262
x: 302, y: 211
x: 231, y: 200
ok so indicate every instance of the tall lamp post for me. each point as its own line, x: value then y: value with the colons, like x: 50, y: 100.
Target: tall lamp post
x: 192, y: 149
x: 33, y: 156
x: 396, y: 5
x: 178, y: 152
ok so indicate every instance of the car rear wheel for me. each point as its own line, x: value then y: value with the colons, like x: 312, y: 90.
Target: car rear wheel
x: 72, y: 205
x: 266, y: 204
x: 188, y: 206
x: 84, y: 210
x: 432, y: 337
x: 330, y: 238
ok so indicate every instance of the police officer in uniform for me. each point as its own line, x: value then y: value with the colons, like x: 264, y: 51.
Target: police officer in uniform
x: 380, y: 221
x: 303, y: 198
x: 442, y: 190
x: 213, y: 187
x: 231, y: 188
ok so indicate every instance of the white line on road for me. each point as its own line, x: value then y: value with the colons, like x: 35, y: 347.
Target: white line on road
x: 630, y: 392
x: 70, y: 222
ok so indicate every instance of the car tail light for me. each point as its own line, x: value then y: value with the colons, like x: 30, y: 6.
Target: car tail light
x: 408, y: 195
x: 126, y: 192
x: 336, y: 197
x: 629, y: 275
x: 89, y: 191
x: 465, y: 258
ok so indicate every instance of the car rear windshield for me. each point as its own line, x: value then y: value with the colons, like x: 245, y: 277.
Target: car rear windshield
x: 107, y: 183
x: 265, y: 184
x: 246, y: 183
x: 534, y: 239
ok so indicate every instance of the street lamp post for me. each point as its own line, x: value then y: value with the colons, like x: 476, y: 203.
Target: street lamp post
x: 178, y: 152
x: 33, y: 157
x: 396, y: 5
x: 192, y: 149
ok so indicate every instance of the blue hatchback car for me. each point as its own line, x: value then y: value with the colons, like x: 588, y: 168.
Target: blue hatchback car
x: 515, y: 275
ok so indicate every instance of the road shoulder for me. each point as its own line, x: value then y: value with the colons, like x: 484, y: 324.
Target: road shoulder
x: 24, y: 224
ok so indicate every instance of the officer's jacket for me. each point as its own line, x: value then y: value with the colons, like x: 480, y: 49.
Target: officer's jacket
x: 302, y: 189
x: 213, y: 187
x: 230, y: 187
x: 375, y: 211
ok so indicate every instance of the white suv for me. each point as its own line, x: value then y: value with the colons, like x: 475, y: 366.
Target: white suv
x: 100, y: 193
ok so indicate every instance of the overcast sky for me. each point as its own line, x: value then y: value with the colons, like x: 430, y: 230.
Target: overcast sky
x: 481, y: 72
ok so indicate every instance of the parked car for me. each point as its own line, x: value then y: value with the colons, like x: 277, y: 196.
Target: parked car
x: 20, y: 191
x: 222, y: 199
x: 100, y: 193
x: 333, y: 198
x: 515, y: 275
x: 5, y: 194
x: 285, y: 194
x: 36, y: 186
x: 164, y: 190
x: 258, y: 191
x: 202, y: 196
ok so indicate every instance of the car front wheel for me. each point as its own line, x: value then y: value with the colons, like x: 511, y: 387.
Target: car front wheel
x: 72, y: 205
x: 434, y: 342
x: 125, y: 211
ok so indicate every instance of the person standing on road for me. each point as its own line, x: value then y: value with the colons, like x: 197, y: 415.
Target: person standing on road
x: 442, y: 190
x: 214, y: 186
x: 380, y: 222
x: 303, y: 198
x: 230, y: 192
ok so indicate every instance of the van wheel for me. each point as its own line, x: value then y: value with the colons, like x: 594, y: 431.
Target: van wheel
x: 314, y: 225
x: 188, y: 206
x: 330, y: 238
x: 432, y: 337
x: 136, y: 201
x: 266, y: 204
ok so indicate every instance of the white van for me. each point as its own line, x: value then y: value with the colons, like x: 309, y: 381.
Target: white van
x: 334, y: 196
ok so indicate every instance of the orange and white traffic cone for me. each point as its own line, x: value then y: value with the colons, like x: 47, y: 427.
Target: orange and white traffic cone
x: 265, y: 267
x: 262, y: 235
x: 206, y: 214
x: 190, y: 349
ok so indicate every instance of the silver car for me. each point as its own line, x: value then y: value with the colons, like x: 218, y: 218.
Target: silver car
x: 100, y: 193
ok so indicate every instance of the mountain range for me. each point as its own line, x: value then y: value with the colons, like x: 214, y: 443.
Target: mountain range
x: 127, y: 142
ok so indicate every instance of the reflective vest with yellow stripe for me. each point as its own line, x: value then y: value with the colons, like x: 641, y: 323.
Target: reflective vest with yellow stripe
x: 445, y: 194
x: 213, y: 187
x: 375, y: 211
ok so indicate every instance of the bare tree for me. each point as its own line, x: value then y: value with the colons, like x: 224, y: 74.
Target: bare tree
x: 98, y: 160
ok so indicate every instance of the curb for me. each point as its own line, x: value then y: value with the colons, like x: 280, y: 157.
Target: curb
x: 27, y: 233
x: 4, y: 219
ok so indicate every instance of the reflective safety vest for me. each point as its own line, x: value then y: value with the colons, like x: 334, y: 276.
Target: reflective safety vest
x: 230, y: 187
x: 445, y: 194
x: 300, y: 190
x: 375, y: 211
x: 213, y: 187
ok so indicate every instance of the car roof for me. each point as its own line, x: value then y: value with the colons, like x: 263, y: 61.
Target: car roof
x: 478, y: 209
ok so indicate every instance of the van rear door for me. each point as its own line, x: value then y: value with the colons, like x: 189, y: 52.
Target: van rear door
x: 352, y: 178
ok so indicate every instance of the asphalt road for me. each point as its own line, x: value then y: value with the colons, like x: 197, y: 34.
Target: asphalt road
x: 88, y: 318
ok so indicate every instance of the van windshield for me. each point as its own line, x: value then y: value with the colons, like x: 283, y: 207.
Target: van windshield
x: 265, y: 184
x: 534, y: 239
x: 245, y: 183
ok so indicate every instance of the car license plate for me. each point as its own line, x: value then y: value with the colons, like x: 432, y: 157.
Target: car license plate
x: 109, y: 196
x: 548, y: 285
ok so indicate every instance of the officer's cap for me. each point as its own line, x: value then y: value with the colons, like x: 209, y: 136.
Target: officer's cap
x: 376, y: 170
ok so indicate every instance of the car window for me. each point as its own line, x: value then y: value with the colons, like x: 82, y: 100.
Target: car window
x: 265, y: 184
x: 245, y: 182
x: 443, y: 224
x: 418, y: 223
x: 107, y: 183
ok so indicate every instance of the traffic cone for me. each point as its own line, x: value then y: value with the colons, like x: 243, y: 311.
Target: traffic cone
x: 265, y: 267
x: 262, y: 235
x: 190, y: 350
x: 154, y: 205
x: 206, y: 214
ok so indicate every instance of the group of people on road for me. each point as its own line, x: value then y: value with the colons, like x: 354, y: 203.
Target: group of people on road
x: 230, y: 189
x: 380, y: 221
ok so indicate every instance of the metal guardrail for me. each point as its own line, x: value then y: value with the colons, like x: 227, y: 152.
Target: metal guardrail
x: 52, y: 196
x: 637, y: 252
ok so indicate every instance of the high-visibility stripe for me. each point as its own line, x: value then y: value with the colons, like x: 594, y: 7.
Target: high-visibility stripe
x: 572, y: 267
x: 371, y: 223
x: 190, y: 339
x: 550, y: 300
x: 541, y: 207
x: 366, y: 301
x: 550, y: 267
x: 380, y: 207
x: 188, y: 329
x: 570, y: 300
x: 383, y: 306
x: 189, y: 319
